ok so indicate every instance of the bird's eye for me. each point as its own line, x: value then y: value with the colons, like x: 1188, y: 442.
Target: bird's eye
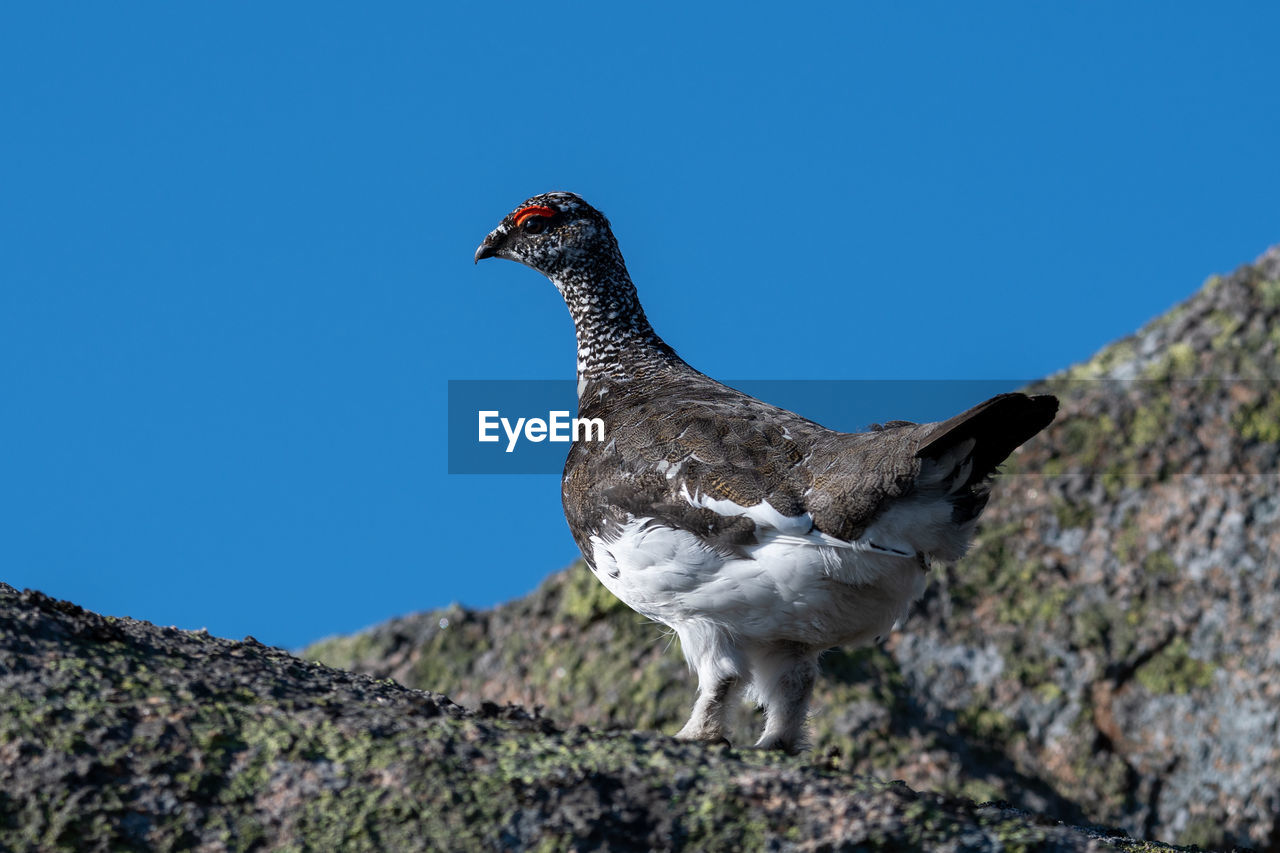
x: 535, y: 224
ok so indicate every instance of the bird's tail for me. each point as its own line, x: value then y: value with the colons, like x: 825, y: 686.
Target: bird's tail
x: 966, y: 449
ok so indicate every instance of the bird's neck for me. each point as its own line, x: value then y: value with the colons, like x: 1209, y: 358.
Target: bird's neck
x: 616, y: 343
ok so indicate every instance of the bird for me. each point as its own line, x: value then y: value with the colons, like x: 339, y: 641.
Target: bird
x: 760, y: 538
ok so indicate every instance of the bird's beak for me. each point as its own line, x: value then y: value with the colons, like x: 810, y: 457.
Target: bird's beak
x: 489, y: 247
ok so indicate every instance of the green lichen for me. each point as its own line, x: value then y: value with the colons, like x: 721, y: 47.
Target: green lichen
x: 1118, y: 476
x: 1269, y: 293
x: 986, y: 723
x: 1111, y: 627
x: 1037, y: 604
x: 1203, y: 832
x: 1106, y: 361
x: 1227, y: 325
x: 1049, y: 692
x: 1127, y: 542
x: 585, y: 599
x: 1159, y: 565
x: 1178, y: 362
x: 1151, y: 423
x: 1086, y: 440
x: 987, y: 566
x: 1173, y: 670
x: 347, y: 652
x: 1073, y: 513
x: 1261, y: 420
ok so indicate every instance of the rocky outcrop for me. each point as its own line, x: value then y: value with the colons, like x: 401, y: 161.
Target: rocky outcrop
x: 118, y: 734
x: 1106, y: 652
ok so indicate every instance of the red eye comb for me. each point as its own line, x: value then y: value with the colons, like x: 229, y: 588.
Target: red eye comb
x: 534, y: 210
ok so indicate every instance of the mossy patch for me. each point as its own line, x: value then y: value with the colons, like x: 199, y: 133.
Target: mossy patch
x: 1178, y: 362
x: 1261, y: 420
x: 1106, y: 361
x: 1072, y: 513
x: 1173, y: 670
x: 1269, y: 293
x: 585, y: 599
x: 989, y: 724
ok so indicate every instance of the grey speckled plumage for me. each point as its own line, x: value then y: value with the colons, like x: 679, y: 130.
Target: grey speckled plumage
x: 760, y: 537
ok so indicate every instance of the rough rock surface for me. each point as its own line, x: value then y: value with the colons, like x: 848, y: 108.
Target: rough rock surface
x: 118, y: 734
x: 1106, y: 652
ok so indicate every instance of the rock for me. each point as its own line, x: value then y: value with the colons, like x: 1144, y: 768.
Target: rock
x: 117, y: 734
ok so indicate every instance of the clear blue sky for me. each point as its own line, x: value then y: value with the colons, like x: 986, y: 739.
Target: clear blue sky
x: 236, y: 251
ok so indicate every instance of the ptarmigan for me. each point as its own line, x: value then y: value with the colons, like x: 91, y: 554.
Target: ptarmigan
x: 759, y: 537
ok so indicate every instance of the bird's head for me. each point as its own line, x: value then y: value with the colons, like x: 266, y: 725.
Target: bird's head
x: 553, y: 233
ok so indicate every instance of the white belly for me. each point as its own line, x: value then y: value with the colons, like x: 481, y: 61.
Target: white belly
x: 788, y: 588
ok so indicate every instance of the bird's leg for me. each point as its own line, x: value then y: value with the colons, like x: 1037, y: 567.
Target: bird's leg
x: 719, y: 665
x: 783, y: 681
x: 707, y: 720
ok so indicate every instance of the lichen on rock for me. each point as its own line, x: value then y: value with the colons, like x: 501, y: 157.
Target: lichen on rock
x: 117, y: 734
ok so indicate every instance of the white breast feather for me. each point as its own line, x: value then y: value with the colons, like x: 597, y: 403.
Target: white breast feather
x: 796, y: 583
